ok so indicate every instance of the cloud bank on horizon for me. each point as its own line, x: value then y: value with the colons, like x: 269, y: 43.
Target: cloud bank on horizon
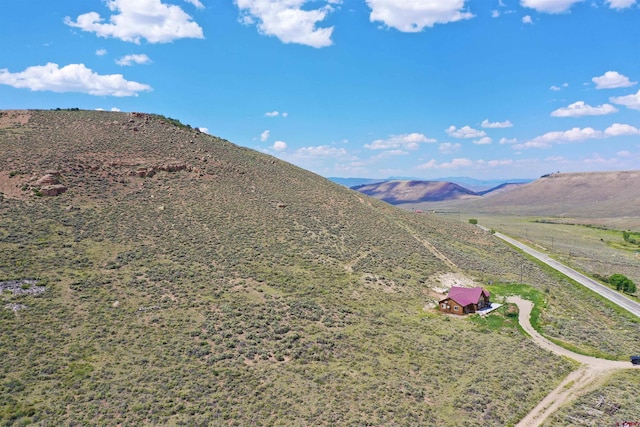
x: 504, y: 88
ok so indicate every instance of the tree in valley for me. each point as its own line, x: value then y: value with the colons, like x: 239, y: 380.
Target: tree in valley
x: 622, y: 283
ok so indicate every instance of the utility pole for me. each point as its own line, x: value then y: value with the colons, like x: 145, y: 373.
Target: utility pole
x: 521, y: 267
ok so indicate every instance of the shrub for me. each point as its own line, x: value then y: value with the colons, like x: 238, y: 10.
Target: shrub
x: 622, y: 283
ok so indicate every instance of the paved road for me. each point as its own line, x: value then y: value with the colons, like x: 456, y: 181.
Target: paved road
x: 613, y: 296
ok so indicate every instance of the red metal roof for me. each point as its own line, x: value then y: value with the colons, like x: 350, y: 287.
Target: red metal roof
x: 466, y: 296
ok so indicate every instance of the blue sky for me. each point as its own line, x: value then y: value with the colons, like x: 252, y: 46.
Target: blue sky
x: 351, y: 88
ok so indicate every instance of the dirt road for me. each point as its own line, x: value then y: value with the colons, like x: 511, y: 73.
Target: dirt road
x: 591, y: 371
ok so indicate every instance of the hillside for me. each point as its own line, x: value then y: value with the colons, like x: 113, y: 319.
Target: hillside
x: 178, y: 279
x: 483, y: 185
x: 399, y: 192
x: 580, y: 195
x: 502, y: 188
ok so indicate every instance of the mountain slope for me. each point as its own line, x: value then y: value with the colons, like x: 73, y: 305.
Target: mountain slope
x: 398, y: 192
x: 181, y: 279
x: 502, y: 188
x: 583, y: 195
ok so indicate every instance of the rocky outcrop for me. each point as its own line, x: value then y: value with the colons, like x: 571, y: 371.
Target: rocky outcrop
x: 145, y: 172
x: 50, y: 184
x: 149, y: 171
x: 48, y: 179
x: 52, y: 190
x: 173, y: 167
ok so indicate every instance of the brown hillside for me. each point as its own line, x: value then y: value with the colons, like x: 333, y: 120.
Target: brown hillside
x: 399, y: 192
x: 579, y: 195
x: 593, y: 194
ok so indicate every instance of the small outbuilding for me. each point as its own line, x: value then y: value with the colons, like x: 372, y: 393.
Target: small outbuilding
x: 465, y: 300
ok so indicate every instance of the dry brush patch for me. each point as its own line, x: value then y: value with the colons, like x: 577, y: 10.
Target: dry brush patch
x: 614, y: 402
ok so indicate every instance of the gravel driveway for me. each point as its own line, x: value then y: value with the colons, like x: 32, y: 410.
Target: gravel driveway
x: 587, y: 377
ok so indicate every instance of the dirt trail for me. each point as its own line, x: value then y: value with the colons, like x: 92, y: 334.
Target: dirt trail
x: 576, y: 383
x: 430, y: 248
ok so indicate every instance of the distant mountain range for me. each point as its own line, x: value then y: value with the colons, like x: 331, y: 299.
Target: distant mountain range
x: 475, y: 185
x: 580, y: 194
x: 399, y: 192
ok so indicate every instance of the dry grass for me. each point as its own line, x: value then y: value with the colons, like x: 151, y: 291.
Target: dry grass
x: 612, y: 403
x: 242, y: 291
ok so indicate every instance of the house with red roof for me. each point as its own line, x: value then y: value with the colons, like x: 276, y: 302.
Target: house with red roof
x: 465, y: 300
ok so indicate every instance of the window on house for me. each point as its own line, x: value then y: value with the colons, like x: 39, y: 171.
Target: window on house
x: 455, y: 308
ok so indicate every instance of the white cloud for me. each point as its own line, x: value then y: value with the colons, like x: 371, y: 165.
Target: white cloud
x: 431, y: 164
x: 531, y: 144
x: 389, y: 153
x: 279, y: 146
x: 321, y: 151
x: 101, y: 52
x: 464, y: 132
x: 560, y: 137
x: 578, y: 135
x: 557, y: 88
x: 449, y: 147
x: 483, y: 141
x: 414, y: 15
x: 612, y: 80
x: 508, y: 140
x: 408, y: 141
x: 496, y: 125
x: 527, y: 19
x: 580, y: 109
x: 71, y: 78
x: 620, y: 4
x: 453, y: 164
x: 549, y: 6
x: 495, y: 13
x: 505, y: 162
x: 204, y: 130
x: 264, y: 135
x: 619, y: 129
x: 629, y: 101
x: 139, y: 58
x: 196, y: 3
x: 115, y: 109
x: 286, y: 20
x: 571, y: 135
x: 140, y: 19
x: 275, y: 114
